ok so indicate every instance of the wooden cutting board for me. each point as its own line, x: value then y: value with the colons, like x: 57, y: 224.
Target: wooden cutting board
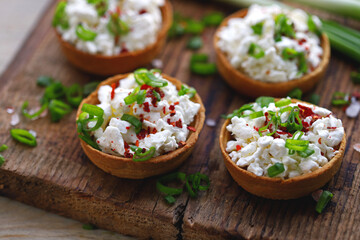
x: 58, y: 177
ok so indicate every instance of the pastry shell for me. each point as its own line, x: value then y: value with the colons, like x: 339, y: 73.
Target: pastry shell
x: 124, y: 62
x: 278, y: 188
x: 126, y: 167
x: 255, y: 88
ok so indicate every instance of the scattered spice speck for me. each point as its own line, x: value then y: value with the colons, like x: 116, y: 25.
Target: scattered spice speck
x: 210, y: 122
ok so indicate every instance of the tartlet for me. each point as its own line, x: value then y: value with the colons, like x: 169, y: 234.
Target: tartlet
x: 254, y: 88
x: 126, y: 167
x: 124, y: 62
x: 278, y: 188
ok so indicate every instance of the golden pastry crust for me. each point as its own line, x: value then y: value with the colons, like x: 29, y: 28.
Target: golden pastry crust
x: 255, y: 88
x: 278, y: 188
x: 126, y: 167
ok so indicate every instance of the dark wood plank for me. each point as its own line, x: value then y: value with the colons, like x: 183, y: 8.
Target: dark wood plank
x: 58, y: 177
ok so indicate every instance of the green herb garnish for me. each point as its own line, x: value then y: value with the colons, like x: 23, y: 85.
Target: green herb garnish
x: 85, y: 34
x: 295, y: 93
x: 199, y: 64
x: 195, y: 43
x: 256, y: 51
x: 133, y: 121
x: 325, y: 198
x: 258, y: 28
x: 60, y: 17
x: 213, y: 19
x: 275, y: 169
x: 23, y: 136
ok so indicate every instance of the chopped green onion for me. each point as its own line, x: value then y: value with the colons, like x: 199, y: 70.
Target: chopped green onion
x: 355, y: 77
x: 275, y: 169
x: 100, y: 5
x: 141, y: 95
x: 295, y: 93
x: 325, y: 198
x: 58, y: 109
x: 256, y: 115
x: 88, y: 226
x: 297, y: 145
x: 193, y: 26
x: 170, y: 191
x: 170, y: 199
x: 213, y: 19
x: 264, y: 101
x: 283, y: 27
x: 2, y: 160
x: 85, y: 34
x: 23, y: 136
x: 34, y: 115
x: 89, y: 141
x: 283, y: 102
x: 133, y: 121
x: 74, y: 95
x: 176, y: 30
x: 92, y: 110
x: 308, y: 152
x: 258, y: 28
x: 293, y: 122
x: 240, y: 112
x: 256, y: 51
x: 273, y: 120
x: 44, y: 81
x: 199, y: 57
x: 195, y: 43
x: 340, y: 99
x: 312, y: 26
x: 139, y: 156
x: 187, y: 90
x: 314, y: 99
x: 60, y: 17
x: 90, y: 87
x: 130, y: 99
x: 286, y: 109
x: 3, y: 147
x: 303, y: 68
x: 195, y: 180
x: 199, y: 64
x: 289, y: 53
x: 156, y: 95
x: 154, y: 81
x: 54, y: 91
x: 116, y: 26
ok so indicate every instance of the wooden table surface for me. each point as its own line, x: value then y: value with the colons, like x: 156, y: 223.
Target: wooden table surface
x: 58, y: 177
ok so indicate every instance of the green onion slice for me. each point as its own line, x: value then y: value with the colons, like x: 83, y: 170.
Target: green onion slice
x: 2, y: 160
x: 58, y: 109
x: 307, y: 153
x: 293, y: 122
x: 256, y: 51
x: 74, y: 95
x: 116, y: 26
x: 203, y: 68
x: 89, y: 141
x: 140, y: 97
x: 89, y: 88
x: 60, y: 17
x: 92, y: 111
x: 258, y: 28
x: 100, y: 5
x: 195, y: 180
x: 303, y: 67
x: 264, y: 101
x: 195, y: 43
x: 297, y: 145
x: 286, y: 109
x: 133, y: 121
x: 160, y: 183
x: 314, y: 99
x: 34, y: 115
x: 256, y: 115
x: 240, y: 112
x: 170, y: 199
x: 194, y: 27
x: 54, y: 91
x: 139, y: 156
x: 325, y: 198
x: 312, y: 26
x: 44, y: 81
x: 130, y: 99
x: 23, y: 136
x: 156, y: 95
x: 283, y: 27
x: 295, y: 93
x: 355, y: 77
x: 199, y: 57
x: 3, y: 147
x: 85, y: 34
x: 289, y: 53
x: 282, y: 103
x: 276, y: 169
x: 187, y: 90
x: 213, y: 19
x: 143, y: 76
x: 340, y: 99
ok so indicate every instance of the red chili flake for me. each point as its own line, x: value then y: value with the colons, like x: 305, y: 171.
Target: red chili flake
x: 322, y: 154
x: 172, y: 113
x: 124, y: 50
x: 164, y: 110
x: 238, y: 147
x: 301, y: 41
x: 319, y: 141
x: 171, y: 107
x: 113, y: 86
x: 154, y: 101
x: 135, y: 109
x: 257, y: 129
x: 267, y: 72
x: 142, y: 11
x: 137, y: 143
x: 113, y: 149
x: 127, y: 154
x: 168, y: 121
x: 127, y: 128
x: 305, y: 111
x: 145, y: 87
x: 176, y: 103
x: 191, y: 128
x: 307, y: 48
x: 98, y: 141
x: 312, y: 68
x: 333, y: 128
x: 182, y: 143
x: 344, y: 108
x: 141, y: 116
x: 178, y: 123
x: 118, y: 10
x: 146, y: 107
x: 143, y: 150
x: 306, y: 126
x: 154, y: 131
x: 142, y: 134
x: 126, y: 145
x: 112, y: 141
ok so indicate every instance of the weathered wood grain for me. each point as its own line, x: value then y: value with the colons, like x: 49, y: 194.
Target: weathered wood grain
x: 58, y: 177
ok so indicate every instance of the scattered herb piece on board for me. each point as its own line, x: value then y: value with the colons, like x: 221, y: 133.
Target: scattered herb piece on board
x: 199, y: 65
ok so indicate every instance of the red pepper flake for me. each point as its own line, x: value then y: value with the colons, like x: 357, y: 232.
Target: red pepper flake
x: 98, y: 141
x: 113, y: 86
x: 176, y: 103
x: 154, y: 101
x: 127, y: 128
x: 322, y: 154
x: 257, y: 129
x: 319, y: 141
x: 154, y: 131
x: 178, y: 123
x: 135, y: 109
x: 238, y: 147
x: 145, y: 87
x: 171, y: 107
x: 333, y: 128
x: 142, y: 11
x: 141, y: 117
x: 182, y: 143
x: 191, y: 128
x: 112, y: 141
x: 118, y: 10
x: 142, y: 134
x: 127, y: 154
x: 301, y: 41
x: 267, y: 72
x: 164, y: 110
x: 172, y: 113
x: 137, y: 143
x: 146, y: 107
x: 126, y: 145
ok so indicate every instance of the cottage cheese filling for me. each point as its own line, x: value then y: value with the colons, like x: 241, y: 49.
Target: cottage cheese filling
x: 257, y: 153
x: 165, y: 123
x: 142, y: 17
x: 236, y: 38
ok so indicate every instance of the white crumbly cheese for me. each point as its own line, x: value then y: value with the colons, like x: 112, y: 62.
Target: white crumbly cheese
x: 142, y: 16
x: 257, y: 153
x: 165, y: 134
x: 236, y: 37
